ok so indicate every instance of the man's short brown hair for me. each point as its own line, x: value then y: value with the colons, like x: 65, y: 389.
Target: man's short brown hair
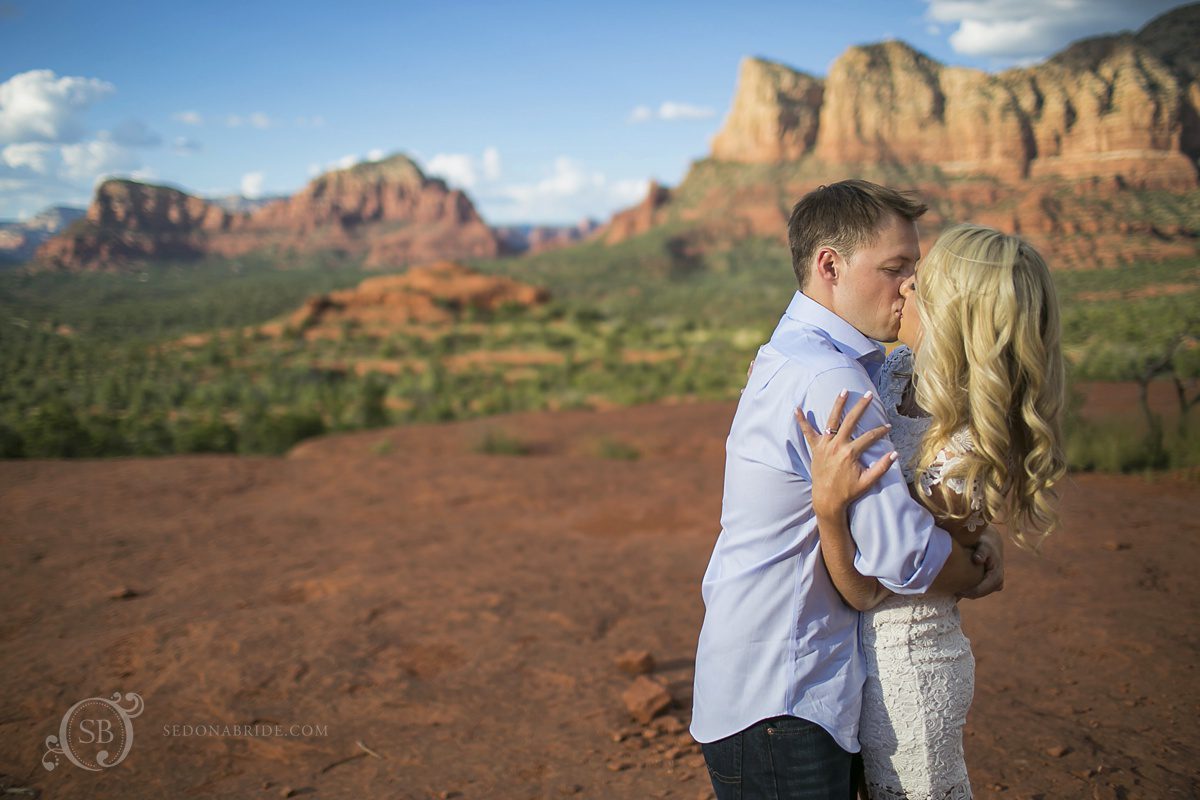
x: 845, y: 216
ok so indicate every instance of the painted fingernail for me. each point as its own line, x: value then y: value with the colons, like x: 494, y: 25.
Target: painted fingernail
x: 842, y: 393
x: 892, y: 456
x: 887, y: 425
x: 868, y: 395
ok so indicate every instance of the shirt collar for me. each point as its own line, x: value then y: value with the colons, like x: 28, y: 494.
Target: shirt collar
x: 844, y: 336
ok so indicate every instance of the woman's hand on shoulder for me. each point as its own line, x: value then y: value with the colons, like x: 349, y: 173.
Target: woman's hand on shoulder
x: 838, y: 477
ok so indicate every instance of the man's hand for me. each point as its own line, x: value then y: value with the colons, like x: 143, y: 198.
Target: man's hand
x: 989, y: 552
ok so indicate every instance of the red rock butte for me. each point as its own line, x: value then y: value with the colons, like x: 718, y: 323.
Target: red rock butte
x: 435, y: 293
x: 387, y: 212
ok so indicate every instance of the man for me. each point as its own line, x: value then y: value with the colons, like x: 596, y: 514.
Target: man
x: 779, y: 670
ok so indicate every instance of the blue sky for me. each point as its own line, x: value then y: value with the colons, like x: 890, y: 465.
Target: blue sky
x: 543, y: 111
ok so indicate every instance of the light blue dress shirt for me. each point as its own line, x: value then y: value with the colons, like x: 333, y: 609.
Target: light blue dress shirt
x: 777, y: 638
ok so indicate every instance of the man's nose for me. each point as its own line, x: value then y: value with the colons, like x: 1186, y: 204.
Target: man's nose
x: 907, y: 288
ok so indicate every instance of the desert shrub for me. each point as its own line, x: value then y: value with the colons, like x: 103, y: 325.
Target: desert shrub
x: 275, y: 433
x: 610, y: 447
x: 500, y: 443
x: 210, y: 434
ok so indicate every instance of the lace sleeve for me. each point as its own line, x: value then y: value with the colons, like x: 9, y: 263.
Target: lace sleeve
x: 946, y: 460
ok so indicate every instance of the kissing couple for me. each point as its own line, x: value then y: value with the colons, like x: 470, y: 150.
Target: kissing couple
x: 860, y: 492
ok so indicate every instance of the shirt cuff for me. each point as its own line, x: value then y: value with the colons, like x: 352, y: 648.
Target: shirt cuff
x: 936, y: 553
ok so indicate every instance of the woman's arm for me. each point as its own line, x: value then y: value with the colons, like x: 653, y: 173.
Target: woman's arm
x: 860, y: 592
x: 957, y: 528
x: 974, y: 530
x: 864, y: 592
x: 965, y: 517
x: 838, y: 479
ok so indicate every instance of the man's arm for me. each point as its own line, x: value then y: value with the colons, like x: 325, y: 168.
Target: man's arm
x: 896, y: 539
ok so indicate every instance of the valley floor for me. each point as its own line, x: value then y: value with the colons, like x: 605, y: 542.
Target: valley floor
x: 450, y: 618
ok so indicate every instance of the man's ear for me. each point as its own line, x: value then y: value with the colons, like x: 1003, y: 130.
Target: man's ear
x: 828, y: 265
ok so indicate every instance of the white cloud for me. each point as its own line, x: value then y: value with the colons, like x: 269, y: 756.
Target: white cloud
x: 569, y: 192
x: 38, y: 157
x: 39, y: 106
x: 457, y: 168
x: 188, y: 117
x: 252, y: 185
x: 1012, y: 30
x: 345, y: 162
x: 464, y: 171
x: 260, y: 120
x: 39, y: 174
x: 305, y: 122
x: 96, y: 159
x: 185, y: 147
x: 145, y: 174
x: 46, y: 152
x: 233, y: 121
x: 491, y: 164
x: 375, y: 155
x: 671, y: 111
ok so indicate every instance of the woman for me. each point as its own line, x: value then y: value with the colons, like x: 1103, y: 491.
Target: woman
x: 974, y: 400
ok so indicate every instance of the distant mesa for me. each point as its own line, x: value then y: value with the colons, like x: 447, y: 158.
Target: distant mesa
x: 20, y: 240
x: 533, y: 239
x: 387, y: 212
x: 130, y: 221
x: 437, y: 293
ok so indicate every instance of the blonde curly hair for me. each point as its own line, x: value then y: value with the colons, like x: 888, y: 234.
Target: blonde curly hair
x: 990, y: 358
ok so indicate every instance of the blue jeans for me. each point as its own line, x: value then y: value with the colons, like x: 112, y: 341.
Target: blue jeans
x: 781, y: 758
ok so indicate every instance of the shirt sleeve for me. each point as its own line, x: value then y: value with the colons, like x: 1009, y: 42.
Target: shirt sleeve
x: 897, y: 539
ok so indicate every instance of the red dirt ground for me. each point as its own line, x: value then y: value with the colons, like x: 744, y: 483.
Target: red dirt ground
x: 458, y: 614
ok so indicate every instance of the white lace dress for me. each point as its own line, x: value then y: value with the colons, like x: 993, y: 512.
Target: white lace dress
x: 920, y: 670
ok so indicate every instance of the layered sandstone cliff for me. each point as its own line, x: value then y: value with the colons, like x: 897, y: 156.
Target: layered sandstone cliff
x: 638, y: 219
x: 774, y: 116
x: 1112, y: 106
x: 1092, y: 154
x: 386, y: 211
